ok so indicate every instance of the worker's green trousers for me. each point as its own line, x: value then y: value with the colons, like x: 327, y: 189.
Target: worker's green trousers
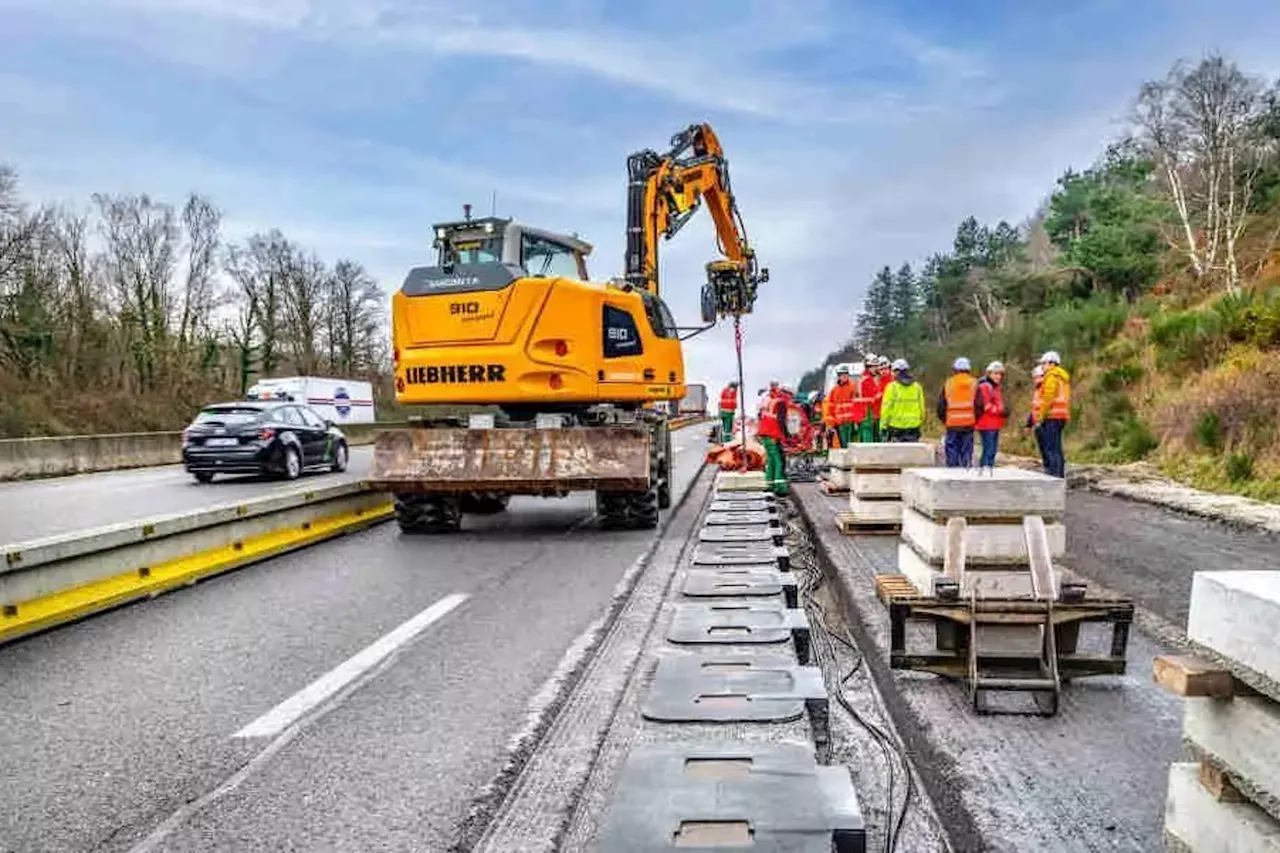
x: 845, y: 431
x: 726, y: 425
x: 775, y: 466
x: 867, y: 430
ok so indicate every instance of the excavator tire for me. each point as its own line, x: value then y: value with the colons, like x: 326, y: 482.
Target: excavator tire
x: 642, y: 509
x: 613, y: 509
x: 484, y: 504
x: 428, y: 513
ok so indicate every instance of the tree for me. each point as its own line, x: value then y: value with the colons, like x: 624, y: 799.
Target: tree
x: 1203, y: 127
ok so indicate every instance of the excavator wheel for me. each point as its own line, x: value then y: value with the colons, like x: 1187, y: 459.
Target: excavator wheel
x: 613, y: 509
x: 642, y: 509
x: 484, y: 503
x: 428, y: 513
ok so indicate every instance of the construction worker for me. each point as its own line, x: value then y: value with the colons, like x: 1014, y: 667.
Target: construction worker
x: 956, y: 411
x: 728, y: 408
x: 1054, y: 412
x: 869, y: 393
x: 902, y: 410
x: 883, y: 377
x: 1037, y: 378
x: 992, y: 412
x: 842, y: 405
x: 817, y: 409
x: 772, y: 432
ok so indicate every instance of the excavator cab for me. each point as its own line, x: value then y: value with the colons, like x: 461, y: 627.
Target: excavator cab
x: 539, y: 253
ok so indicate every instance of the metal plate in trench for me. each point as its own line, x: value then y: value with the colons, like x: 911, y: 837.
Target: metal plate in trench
x: 716, y: 519
x: 740, y: 624
x: 741, y: 553
x: 749, y: 581
x: 741, y: 506
x: 742, y: 533
x: 721, y: 495
x: 733, y: 688
x: 770, y: 797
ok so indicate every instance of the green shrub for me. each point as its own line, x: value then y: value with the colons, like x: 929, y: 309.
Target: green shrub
x: 1081, y: 326
x: 1136, y: 441
x: 1188, y: 338
x: 1239, y: 467
x: 1120, y: 376
x: 1208, y: 430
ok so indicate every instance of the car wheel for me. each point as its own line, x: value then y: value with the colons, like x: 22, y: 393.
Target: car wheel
x: 340, y: 457
x: 292, y: 463
x: 203, y: 476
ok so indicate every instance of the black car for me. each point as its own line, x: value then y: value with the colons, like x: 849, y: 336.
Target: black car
x: 261, y: 437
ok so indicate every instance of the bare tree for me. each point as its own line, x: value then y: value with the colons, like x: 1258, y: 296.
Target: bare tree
x: 1201, y: 126
x: 305, y: 293
x: 260, y: 269
x: 355, y: 321
x: 201, y: 222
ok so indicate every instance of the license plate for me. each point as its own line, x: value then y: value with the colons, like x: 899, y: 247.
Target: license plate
x: 221, y: 442
x: 549, y: 421
x: 480, y: 421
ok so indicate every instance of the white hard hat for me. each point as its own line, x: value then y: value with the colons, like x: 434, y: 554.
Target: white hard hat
x: 961, y: 363
x: 995, y: 367
x: 901, y: 364
x: 1037, y: 371
x: 870, y: 358
x: 1051, y: 357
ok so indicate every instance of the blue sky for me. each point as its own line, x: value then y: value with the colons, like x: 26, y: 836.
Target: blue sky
x: 858, y: 133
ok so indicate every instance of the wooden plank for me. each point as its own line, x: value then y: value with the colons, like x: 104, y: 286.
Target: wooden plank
x: 848, y: 526
x: 1184, y: 675
x: 1214, y: 780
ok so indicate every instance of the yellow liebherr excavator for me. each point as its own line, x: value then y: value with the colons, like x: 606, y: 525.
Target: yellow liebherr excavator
x: 545, y: 374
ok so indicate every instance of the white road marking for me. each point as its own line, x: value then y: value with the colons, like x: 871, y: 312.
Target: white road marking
x: 283, y: 715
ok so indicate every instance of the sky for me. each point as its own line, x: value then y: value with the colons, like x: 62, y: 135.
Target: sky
x: 858, y: 132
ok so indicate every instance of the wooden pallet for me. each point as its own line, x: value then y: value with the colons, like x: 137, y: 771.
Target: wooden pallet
x: 830, y: 488
x: 889, y: 587
x: 849, y: 526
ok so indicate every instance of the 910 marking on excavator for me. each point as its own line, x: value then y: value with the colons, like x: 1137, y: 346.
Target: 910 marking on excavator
x: 455, y: 374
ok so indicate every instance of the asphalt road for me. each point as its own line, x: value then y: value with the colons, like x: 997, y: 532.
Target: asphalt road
x: 1151, y: 553
x: 119, y: 733
x: 31, y: 509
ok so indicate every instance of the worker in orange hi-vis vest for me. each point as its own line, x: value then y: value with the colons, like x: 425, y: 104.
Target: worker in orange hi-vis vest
x: 842, y: 405
x: 728, y: 408
x: 958, y: 414
x: 1053, y: 412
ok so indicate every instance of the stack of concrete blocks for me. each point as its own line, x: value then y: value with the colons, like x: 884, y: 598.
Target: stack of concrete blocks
x: 838, y: 470
x: 1230, y: 798
x: 875, y: 481
x: 986, y: 549
x: 740, y: 481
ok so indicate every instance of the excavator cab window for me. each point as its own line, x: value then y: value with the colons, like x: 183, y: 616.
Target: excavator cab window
x: 543, y: 258
x: 659, y: 316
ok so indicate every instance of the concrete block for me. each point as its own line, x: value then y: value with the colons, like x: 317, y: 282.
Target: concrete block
x: 985, y: 544
x: 740, y: 481
x: 1206, y: 825
x: 838, y: 457
x: 942, y: 493
x: 1244, y: 734
x: 875, y: 511
x: 838, y: 477
x: 876, y: 484
x: 891, y: 456
x: 996, y: 582
x: 1237, y: 615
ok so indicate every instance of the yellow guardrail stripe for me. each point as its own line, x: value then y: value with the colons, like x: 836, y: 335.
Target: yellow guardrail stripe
x: 149, y: 581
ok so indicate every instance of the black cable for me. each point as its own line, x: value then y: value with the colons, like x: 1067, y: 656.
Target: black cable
x: 893, y: 754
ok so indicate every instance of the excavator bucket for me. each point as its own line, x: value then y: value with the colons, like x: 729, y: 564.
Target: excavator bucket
x: 522, y: 461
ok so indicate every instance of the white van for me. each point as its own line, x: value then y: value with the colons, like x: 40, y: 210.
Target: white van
x: 343, y: 401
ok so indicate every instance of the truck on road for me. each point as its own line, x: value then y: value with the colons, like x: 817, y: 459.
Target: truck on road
x: 694, y: 401
x: 340, y: 401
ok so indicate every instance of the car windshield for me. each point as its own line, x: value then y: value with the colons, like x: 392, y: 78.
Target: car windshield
x: 229, y: 416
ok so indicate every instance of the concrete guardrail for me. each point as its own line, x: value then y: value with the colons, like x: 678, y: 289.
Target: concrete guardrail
x: 57, y: 456
x: 58, y: 579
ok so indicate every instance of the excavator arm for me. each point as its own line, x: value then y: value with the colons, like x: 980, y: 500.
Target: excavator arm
x: 664, y: 192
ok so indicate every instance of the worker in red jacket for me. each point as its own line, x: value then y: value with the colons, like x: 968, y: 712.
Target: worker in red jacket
x: 772, y: 432
x: 992, y: 412
x: 870, y: 391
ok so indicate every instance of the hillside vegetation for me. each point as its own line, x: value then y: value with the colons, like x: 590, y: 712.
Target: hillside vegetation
x: 1154, y: 272
x: 128, y: 314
